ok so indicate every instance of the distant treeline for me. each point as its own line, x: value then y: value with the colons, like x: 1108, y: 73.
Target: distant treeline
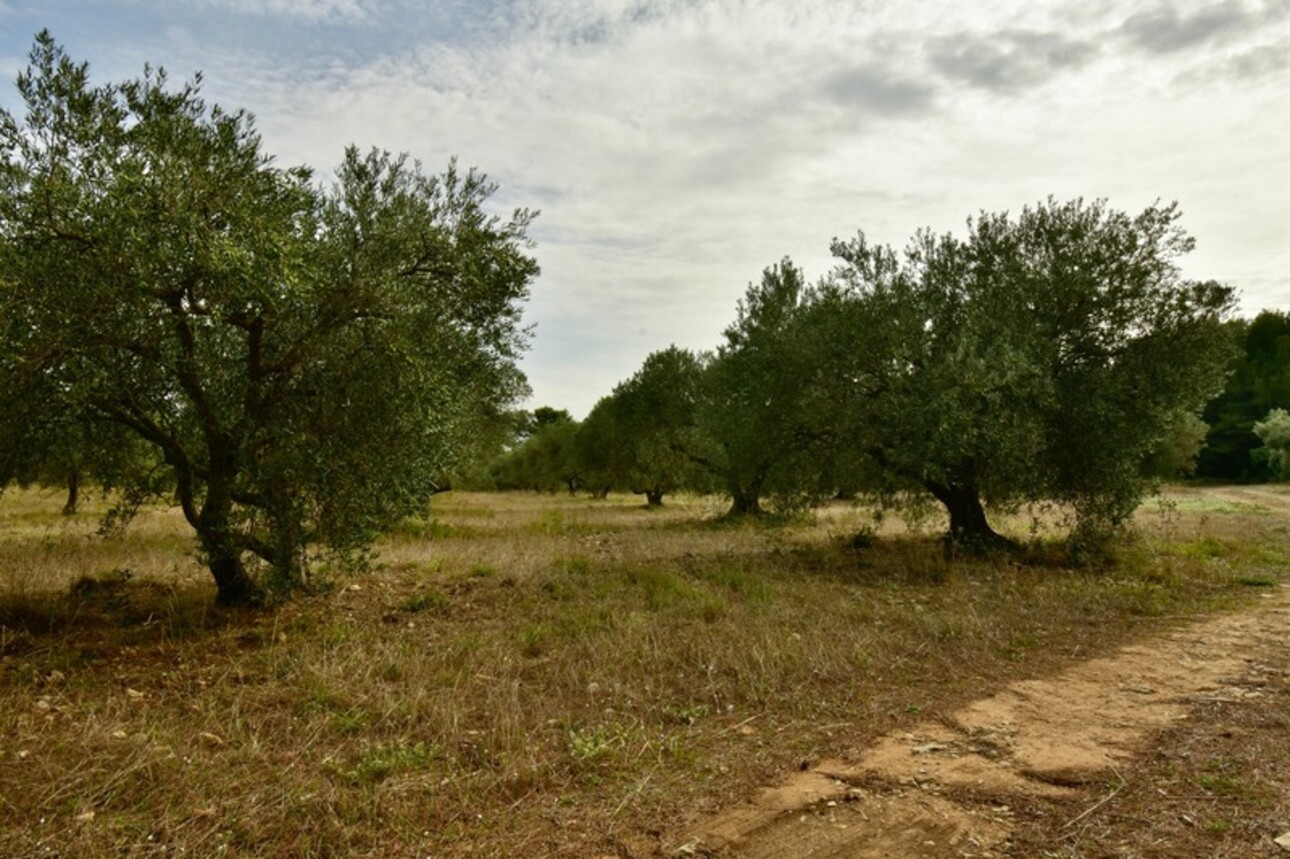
x: 1259, y: 383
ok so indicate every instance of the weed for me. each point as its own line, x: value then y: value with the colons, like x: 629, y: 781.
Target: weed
x: 377, y: 763
x: 574, y: 565
x: 428, y: 599
x: 594, y: 746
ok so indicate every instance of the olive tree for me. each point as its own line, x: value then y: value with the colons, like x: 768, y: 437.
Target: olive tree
x: 640, y: 437
x: 1041, y: 357
x: 306, y: 359
x: 756, y: 407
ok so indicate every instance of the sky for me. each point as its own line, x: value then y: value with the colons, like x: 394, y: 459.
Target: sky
x: 676, y: 148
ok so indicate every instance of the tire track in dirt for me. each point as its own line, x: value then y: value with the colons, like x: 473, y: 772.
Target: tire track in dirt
x: 943, y: 789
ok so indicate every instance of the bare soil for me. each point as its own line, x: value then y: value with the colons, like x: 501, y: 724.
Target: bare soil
x: 1053, y: 746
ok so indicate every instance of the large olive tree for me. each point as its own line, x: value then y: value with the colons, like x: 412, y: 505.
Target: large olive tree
x: 307, y: 360
x: 1041, y: 357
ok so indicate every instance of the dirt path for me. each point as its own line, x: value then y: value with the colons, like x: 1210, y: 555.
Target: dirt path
x: 944, y: 789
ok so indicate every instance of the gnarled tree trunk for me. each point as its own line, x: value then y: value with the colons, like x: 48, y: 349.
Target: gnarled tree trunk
x: 234, y: 587
x: 969, y: 528
x: 73, y: 492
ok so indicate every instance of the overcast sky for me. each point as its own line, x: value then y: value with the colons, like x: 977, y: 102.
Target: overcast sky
x: 677, y: 147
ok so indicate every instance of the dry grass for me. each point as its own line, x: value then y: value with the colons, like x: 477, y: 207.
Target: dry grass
x: 524, y: 675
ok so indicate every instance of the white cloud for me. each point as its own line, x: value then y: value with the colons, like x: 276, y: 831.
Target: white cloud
x: 311, y: 10
x: 676, y: 147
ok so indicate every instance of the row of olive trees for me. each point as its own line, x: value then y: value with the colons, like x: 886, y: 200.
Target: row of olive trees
x: 296, y: 364
x: 1055, y: 356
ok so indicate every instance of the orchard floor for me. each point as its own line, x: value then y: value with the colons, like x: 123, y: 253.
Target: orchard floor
x: 526, y: 675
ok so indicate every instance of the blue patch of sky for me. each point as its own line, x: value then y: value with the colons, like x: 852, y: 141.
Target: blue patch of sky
x: 112, y: 35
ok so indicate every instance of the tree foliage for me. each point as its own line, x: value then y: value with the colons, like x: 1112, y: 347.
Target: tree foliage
x: 1274, y: 432
x: 1260, y: 381
x: 547, y: 459
x: 307, y: 361
x: 1044, y: 357
x: 638, y: 437
x: 753, y: 405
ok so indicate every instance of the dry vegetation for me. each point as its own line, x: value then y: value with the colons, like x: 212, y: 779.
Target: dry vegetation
x: 533, y: 676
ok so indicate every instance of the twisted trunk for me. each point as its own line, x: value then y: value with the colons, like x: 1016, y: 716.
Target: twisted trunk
x: 969, y: 528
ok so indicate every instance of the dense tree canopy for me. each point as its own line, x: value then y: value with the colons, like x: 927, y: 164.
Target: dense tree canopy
x: 1042, y: 357
x: 546, y: 459
x: 753, y: 404
x: 1260, y: 381
x: 307, y: 361
x: 1274, y: 432
x: 638, y: 437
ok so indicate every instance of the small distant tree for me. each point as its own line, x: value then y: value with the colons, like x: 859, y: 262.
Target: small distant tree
x: 73, y: 454
x: 307, y: 361
x: 546, y: 460
x: 1274, y: 432
x: 638, y: 437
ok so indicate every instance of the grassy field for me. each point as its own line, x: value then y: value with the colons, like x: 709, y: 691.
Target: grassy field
x: 526, y: 675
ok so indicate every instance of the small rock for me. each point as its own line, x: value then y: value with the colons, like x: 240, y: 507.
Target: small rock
x: 747, y: 730
x: 42, y: 704
x: 1283, y: 842
x: 85, y: 816
x: 925, y: 748
x: 354, y: 587
x: 134, y: 694
x: 119, y: 735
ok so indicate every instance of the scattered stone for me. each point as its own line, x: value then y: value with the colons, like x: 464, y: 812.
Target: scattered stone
x: 1283, y: 842
x: 85, y: 816
x: 134, y: 694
